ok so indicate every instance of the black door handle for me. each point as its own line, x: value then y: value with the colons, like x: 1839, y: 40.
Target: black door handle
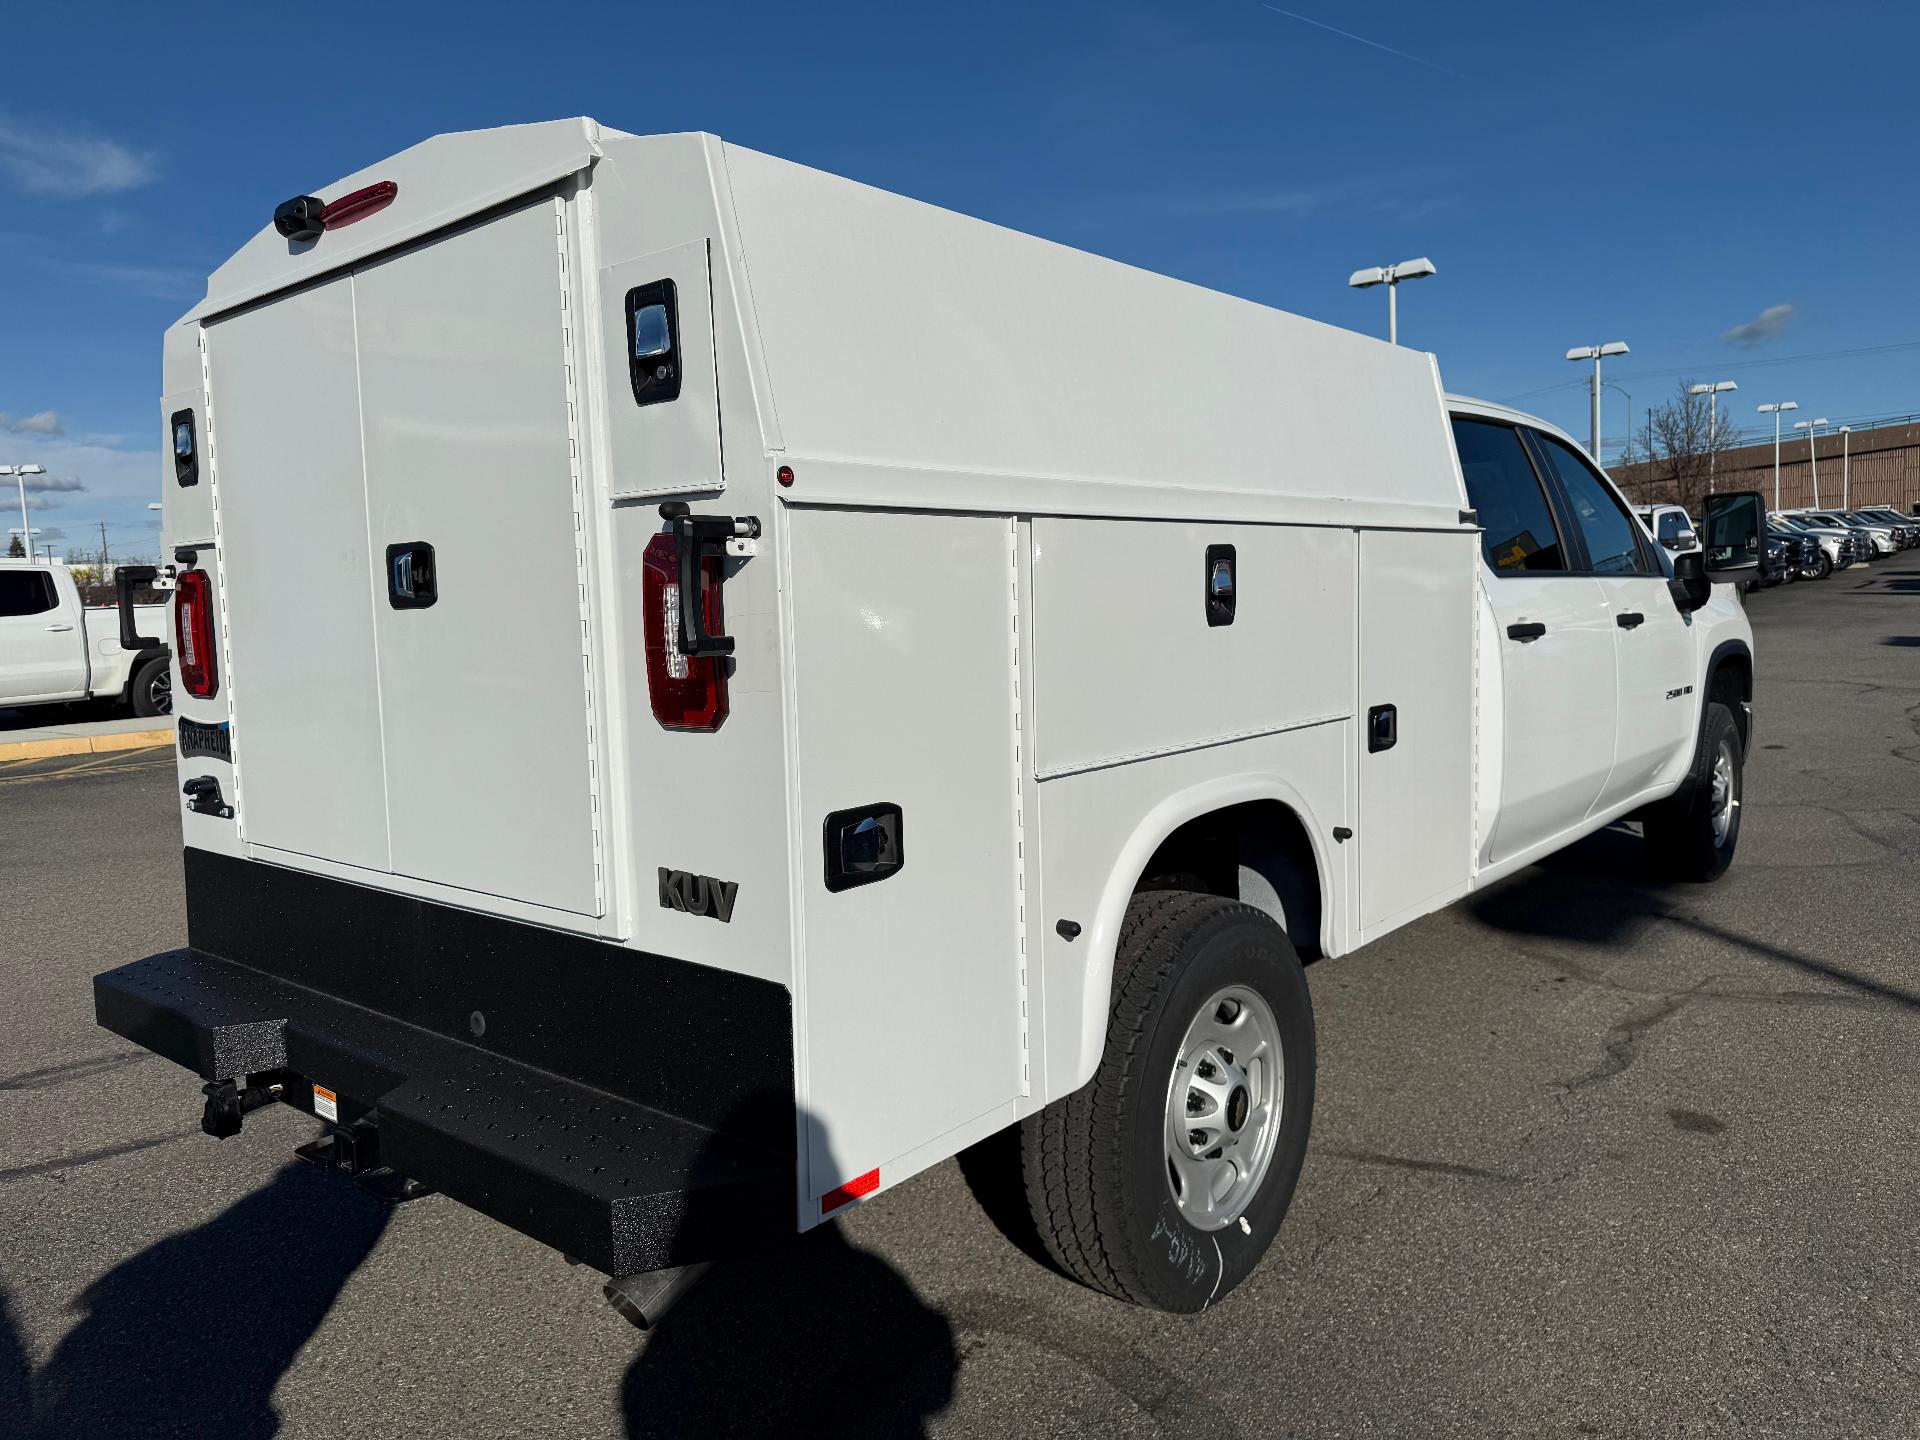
x: 1524, y: 633
x: 1627, y: 619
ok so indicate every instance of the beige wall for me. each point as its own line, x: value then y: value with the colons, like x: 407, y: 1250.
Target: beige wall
x: 1884, y: 470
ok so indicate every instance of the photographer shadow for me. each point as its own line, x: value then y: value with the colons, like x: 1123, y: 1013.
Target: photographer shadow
x: 807, y: 1335
x: 190, y: 1336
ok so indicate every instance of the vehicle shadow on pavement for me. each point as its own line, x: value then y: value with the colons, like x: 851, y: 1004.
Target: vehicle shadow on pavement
x: 191, y: 1336
x: 816, y: 1334
x: 1599, y: 892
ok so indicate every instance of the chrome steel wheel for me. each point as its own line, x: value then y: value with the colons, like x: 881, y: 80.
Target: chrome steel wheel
x: 1224, y: 1103
x: 1724, y: 799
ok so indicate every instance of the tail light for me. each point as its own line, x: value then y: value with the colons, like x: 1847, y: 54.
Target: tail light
x: 193, y: 634
x: 689, y: 692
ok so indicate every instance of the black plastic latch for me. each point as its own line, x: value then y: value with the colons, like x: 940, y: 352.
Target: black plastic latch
x: 203, y: 797
x: 864, y: 845
x: 1383, y: 728
x: 696, y: 538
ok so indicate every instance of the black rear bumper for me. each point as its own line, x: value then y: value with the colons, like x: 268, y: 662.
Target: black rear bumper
x: 591, y: 1111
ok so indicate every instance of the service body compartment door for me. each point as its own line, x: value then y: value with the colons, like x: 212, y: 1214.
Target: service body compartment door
x: 484, y: 697
x: 298, y: 585
x: 905, y: 670
x: 1416, y: 719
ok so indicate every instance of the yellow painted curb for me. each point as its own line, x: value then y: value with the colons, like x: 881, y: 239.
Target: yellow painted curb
x: 84, y: 744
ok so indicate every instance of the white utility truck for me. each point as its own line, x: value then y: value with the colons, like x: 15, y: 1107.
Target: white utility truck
x: 714, y: 687
x: 53, y: 650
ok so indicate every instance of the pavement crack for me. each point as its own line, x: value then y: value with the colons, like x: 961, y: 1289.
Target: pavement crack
x: 52, y: 1075
x: 1432, y: 1167
x: 88, y: 1157
x: 1622, y: 1043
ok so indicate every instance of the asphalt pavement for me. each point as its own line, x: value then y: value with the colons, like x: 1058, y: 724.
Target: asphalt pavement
x: 1593, y: 1157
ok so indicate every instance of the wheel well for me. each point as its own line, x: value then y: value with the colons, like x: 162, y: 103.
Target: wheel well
x: 1258, y: 852
x: 1730, y: 683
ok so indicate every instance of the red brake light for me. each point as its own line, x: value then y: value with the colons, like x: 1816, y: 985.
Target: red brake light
x: 689, y: 692
x: 193, y: 634
x: 358, y: 205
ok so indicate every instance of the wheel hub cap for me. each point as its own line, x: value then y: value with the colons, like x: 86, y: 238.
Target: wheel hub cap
x: 1224, y: 1103
x: 1724, y: 800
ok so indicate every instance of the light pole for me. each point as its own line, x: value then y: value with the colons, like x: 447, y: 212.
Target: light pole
x: 1712, y: 392
x: 1812, y: 427
x: 1846, y: 464
x: 20, y: 473
x: 1775, y: 408
x: 1593, y: 353
x: 1391, y: 276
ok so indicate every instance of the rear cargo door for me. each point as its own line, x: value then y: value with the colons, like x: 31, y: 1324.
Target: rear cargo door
x: 466, y: 419
x: 395, y: 457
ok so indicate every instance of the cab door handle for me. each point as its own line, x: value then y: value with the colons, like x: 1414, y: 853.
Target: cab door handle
x: 1524, y: 633
x: 1627, y: 619
x: 59, y: 627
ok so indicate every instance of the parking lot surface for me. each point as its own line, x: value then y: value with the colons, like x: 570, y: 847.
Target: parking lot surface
x: 1592, y: 1157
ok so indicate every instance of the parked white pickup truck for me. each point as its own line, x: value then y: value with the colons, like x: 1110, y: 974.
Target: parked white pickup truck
x: 53, y: 649
x: 786, y: 682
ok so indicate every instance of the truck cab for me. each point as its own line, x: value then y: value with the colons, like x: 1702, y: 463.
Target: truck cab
x: 1601, y: 674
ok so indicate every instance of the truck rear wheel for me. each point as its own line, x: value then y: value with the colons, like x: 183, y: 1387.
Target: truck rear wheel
x: 1692, y: 835
x: 152, y: 688
x: 1163, y: 1180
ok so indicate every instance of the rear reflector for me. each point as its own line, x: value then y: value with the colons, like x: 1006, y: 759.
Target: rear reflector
x: 193, y: 633
x: 846, y: 1194
x: 359, y: 205
x: 689, y: 692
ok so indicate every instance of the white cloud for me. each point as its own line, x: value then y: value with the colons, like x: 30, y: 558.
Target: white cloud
x: 50, y: 484
x: 70, y: 163
x: 44, y: 423
x: 1768, y: 325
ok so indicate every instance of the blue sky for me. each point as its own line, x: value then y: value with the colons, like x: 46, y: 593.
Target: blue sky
x: 1655, y: 173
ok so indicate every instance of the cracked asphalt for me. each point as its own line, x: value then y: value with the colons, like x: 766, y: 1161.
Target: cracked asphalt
x: 1593, y: 1157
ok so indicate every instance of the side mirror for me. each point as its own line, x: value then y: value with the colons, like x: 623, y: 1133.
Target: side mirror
x: 1683, y: 540
x: 1735, y: 524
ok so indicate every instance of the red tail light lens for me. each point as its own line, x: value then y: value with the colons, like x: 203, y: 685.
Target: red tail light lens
x: 689, y: 692
x: 193, y: 634
x: 358, y: 205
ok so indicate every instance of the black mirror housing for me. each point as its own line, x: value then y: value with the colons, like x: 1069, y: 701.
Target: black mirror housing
x: 1690, y: 586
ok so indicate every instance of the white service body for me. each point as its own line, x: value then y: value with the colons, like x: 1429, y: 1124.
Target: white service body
x: 980, y: 599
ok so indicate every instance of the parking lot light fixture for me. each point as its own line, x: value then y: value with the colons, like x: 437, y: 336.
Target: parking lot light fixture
x: 1812, y: 427
x: 1776, y: 408
x: 20, y: 473
x: 1713, y: 393
x: 1846, y: 463
x: 1594, y: 353
x: 1391, y: 276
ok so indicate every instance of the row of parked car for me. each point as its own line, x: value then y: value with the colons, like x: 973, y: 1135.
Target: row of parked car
x: 1802, y: 544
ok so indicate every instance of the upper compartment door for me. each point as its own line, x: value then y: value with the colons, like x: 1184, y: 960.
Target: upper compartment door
x: 479, y: 583
x: 663, y: 400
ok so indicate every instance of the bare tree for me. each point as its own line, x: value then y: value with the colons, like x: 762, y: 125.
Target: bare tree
x: 1681, y: 439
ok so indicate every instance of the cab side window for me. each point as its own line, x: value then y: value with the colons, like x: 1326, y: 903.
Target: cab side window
x: 1518, y: 533
x: 26, y: 592
x: 1612, y: 536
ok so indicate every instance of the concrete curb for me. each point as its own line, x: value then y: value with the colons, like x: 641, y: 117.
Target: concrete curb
x: 84, y: 744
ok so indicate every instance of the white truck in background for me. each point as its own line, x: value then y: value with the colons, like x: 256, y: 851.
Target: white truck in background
x: 54, y: 650
x: 785, y: 682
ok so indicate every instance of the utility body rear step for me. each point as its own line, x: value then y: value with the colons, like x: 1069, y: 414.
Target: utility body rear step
x: 618, y: 1183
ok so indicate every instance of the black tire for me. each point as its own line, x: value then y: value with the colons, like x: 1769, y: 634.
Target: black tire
x: 1096, y: 1163
x: 1684, y: 840
x: 152, y: 688
x: 1824, y: 568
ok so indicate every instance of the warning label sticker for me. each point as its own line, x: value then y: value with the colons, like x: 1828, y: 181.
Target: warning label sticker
x: 326, y: 1104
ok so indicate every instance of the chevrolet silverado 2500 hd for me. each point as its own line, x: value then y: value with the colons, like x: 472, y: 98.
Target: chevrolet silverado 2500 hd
x: 791, y: 681
x: 54, y: 650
